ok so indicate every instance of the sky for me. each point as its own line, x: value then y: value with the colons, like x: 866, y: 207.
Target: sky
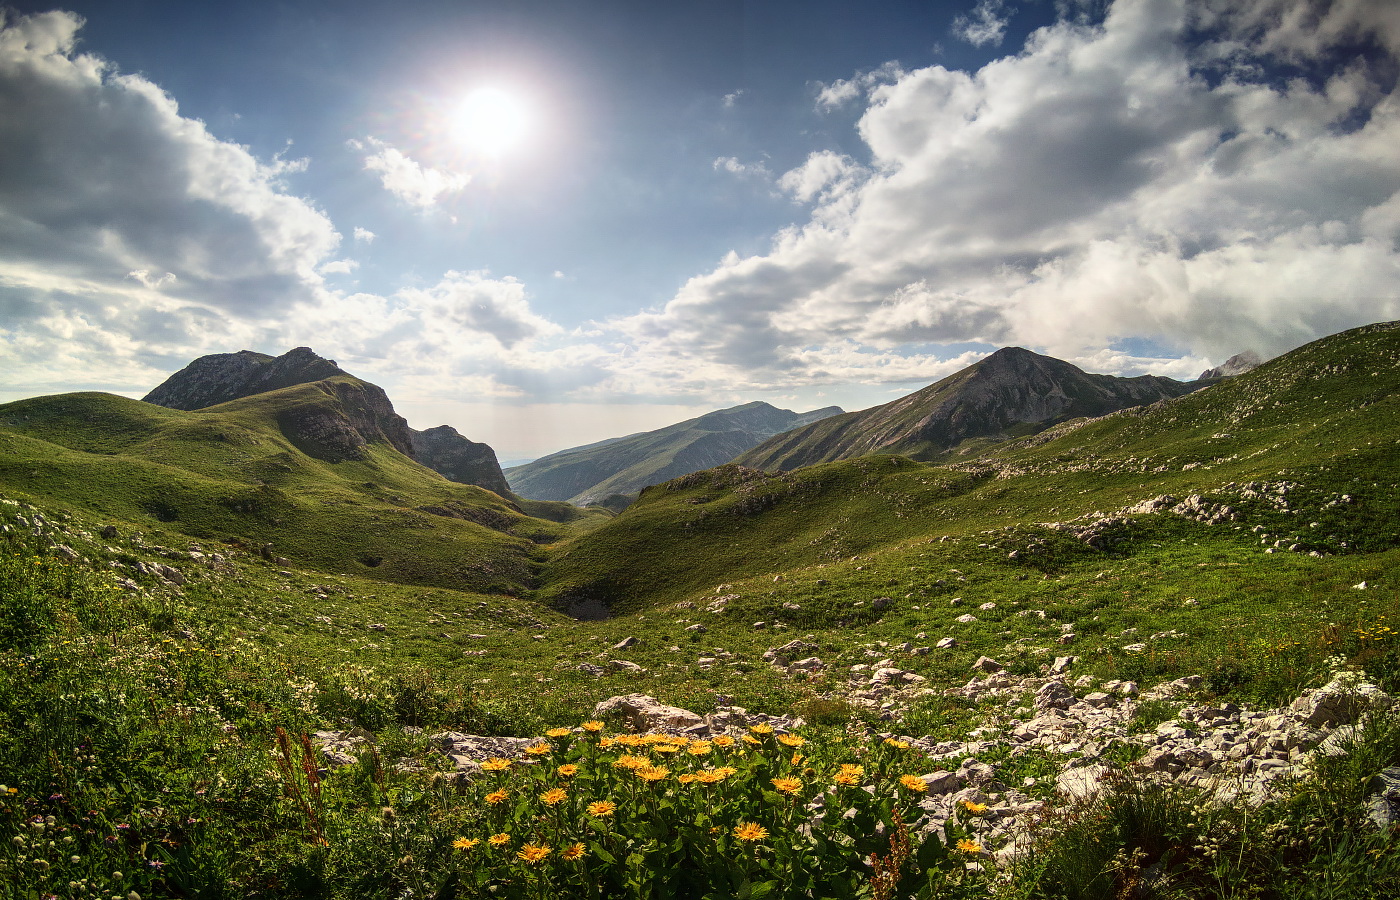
x: 550, y: 222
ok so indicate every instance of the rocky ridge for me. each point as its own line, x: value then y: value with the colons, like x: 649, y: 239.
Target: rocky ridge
x: 332, y: 432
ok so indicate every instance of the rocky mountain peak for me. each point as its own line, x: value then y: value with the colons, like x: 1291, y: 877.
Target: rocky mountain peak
x: 1235, y: 365
x: 221, y: 377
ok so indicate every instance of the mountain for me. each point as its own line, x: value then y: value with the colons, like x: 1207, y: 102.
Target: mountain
x: 1013, y: 392
x: 1235, y: 365
x: 591, y: 473
x: 221, y: 377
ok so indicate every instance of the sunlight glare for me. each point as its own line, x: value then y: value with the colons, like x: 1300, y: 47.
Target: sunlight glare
x: 492, y: 120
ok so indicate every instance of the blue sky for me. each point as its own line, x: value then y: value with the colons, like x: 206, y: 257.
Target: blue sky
x: 710, y: 203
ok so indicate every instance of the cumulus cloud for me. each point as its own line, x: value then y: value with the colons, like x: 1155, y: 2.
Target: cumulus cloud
x: 733, y: 166
x: 406, y: 178
x: 364, y: 234
x: 475, y: 302
x: 125, y: 227
x: 845, y: 90
x: 1140, y: 175
x: 985, y: 25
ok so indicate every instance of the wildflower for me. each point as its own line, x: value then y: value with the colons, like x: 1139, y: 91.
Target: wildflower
x: 629, y: 761
x: 495, y: 764
x: 852, y: 769
x: 558, y: 732
x: 723, y: 740
x: 845, y: 778
x: 601, y: 808
x: 572, y: 852
x: 969, y: 846
x: 539, y: 749
x: 975, y: 808
x: 568, y: 770
x: 497, y: 840
x: 750, y: 831
x: 914, y: 783
x: 497, y: 796
x: 630, y: 740
x: 699, y: 748
x: 726, y: 771
x: 897, y: 744
x: 606, y: 742
x: 787, y: 785
x: 534, y: 853
x: 797, y: 759
x: 709, y: 776
x: 666, y: 748
x: 761, y: 728
x: 652, y: 773
x: 687, y: 777
x: 465, y: 843
x: 554, y: 797
x: 750, y: 739
x: 592, y: 725
x: 791, y: 740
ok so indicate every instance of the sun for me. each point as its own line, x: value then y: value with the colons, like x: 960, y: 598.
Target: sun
x: 492, y: 121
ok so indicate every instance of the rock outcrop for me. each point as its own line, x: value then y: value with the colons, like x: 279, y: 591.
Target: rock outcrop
x: 1235, y: 365
x: 458, y: 459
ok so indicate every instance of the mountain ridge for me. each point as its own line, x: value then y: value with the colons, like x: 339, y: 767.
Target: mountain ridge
x: 1011, y: 393
x: 592, y: 472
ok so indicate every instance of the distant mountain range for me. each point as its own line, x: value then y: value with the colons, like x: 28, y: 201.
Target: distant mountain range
x: 223, y: 377
x: 1011, y: 393
x: 623, y: 466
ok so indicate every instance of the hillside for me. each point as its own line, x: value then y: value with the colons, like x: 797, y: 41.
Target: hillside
x: 1315, y: 420
x: 221, y: 377
x: 1010, y: 393
x: 589, y: 474
x: 313, y: 472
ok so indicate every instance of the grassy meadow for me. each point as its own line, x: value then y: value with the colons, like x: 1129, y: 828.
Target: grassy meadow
x: 151, y: 732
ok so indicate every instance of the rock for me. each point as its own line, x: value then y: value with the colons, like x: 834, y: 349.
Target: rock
x: 881, y: 603
x: 1339, y: 702
x: 1383, y: 804
x: 1082, y: 783
x: 697, y: 628
x: 946, y: 644
x: 1054, y: 695
x: 626, y: 643
x: 987, y: 665
x: 644, y: 713
x: 966, y: 618
x: 623, y: 665
x: 810, y: 664
x: 1062, y: 664
x: 787, y: 652
x: 590, y: 669
x: 987, y: 606
x: 1134, y: 648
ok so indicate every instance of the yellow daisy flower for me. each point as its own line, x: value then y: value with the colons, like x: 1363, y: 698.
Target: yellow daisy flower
x: 592, y: 725
x: 791, y: 740
x: 558, y: 732
x: 601, y: 808
x: 969, y: 846
x: 914, y: 783
x: 539, y: 749
x: 495, y: 764
x: 975, y: 808
x: 787, y: 785
x: 497, y: 796
x: 723, y: 740
x: 554, y: 796
x: 497, y: 840
x: 699, y: 748
x: 534, y: 853
x: 568, y: 770
x: 750, y: 831
x: 652, y: 773
x: 573, y: 852
x: 464, y: 843
x: 761, y: 728
x: 897, y: 744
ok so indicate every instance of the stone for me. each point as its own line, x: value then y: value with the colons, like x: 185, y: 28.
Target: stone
x: 946, y: 644
x: 644, y: 713
x: 1054, y: 695
x: 1062, y: 664
x: 1081, y: 783
x: 966, y: 618
x: 623, y: 665
x: 810, y: 664
x: 987, y: 665
x: 625, y: 643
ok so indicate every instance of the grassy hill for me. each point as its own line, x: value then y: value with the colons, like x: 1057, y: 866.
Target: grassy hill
x: 284, y: 469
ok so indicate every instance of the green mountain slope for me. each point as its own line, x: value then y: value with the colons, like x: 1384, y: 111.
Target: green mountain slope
x: 1012, y: 392
x: 1308, y: 438
x: 305, y: 469
x: 588, y: 474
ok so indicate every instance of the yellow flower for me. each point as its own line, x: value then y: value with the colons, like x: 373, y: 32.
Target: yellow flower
x: 723, y: 740
x: 666, y: 748
x: 969, y: 846
x: 897, y: 744
x: 797, y: 759
x: 709, y: 776
x: 558, y: 732
x: 463, y: 843
x: 572, y: 852
x: 497, y: 840
x: 652, y: 773
x: 845, y: 778
x: 605, y: 742
x: 761, y: 728
x: 699, y: 748
x: 554, y: 796
x: 568, y: 770
x: 629, y: 740
x: 539, y: 749
x: 687, y: 777
x: 787, y: 785
x: 534, y: 853
x: 497, y: 796
x: 975, y: 808
x: 726, y: 771
x: 914, y: 783
x: 750, y: 831
x: 628, y: 761
x: 852, y: 769
x: 592, y: 725
x: 495, y: 764
x: 750, y: 739
x: 791, y: 740
x: 602, y: 808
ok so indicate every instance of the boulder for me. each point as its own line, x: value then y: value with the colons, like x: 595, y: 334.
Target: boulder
x: 644, y: 713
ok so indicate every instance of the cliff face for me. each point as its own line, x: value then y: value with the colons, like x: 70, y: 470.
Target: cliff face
x: 1013, y: 391
x: 445, y: 451
x: 1235, y: 365
x: 350, y: 413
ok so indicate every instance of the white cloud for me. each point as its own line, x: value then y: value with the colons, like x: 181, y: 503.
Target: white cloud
x: 731, y: 99
x: 475, y: 302
x: 364, y: 234
x: 986, y: 25
x: 844, y: 90
x: 127, y: 231
x: 407, y: 179
x: 732, y: 165
x: 339, y: 267
x: 1115, y: 179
